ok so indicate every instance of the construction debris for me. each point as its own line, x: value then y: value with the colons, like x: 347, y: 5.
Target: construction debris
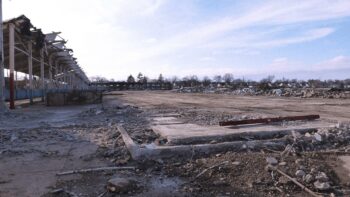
x: 234, y: 162
x: 120, y: 185
x: 299, y: 184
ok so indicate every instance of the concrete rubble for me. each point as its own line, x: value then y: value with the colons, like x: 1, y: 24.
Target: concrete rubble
x: 284, y: 92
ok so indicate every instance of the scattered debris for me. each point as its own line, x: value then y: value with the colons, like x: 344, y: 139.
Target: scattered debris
x: 300, y: 173
x: 212, y: 167
x: 321, y: 185
x: 120, y: 185
x: 271, y: 160
x: 299, y: 184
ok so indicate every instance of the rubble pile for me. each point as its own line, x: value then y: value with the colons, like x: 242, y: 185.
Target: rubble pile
x: 305, y: 160
x: 286, y: 92
x: 133, y: 119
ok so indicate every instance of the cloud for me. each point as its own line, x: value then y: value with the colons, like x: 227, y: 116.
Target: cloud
x: 213, y: 34
x: 284, y: 65
x: 114, y: 38
x: 336, y: 63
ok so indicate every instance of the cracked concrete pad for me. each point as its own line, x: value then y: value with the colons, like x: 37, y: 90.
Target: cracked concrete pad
x: 346, y: 164
x: 192, y: 133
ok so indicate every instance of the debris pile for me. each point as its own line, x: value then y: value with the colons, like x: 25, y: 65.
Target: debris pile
x: 286, y: 92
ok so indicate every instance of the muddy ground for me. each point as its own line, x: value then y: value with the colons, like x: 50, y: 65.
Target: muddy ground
x: 36, y: 142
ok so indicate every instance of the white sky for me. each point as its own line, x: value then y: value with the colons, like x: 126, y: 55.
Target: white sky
x: 115, y: 38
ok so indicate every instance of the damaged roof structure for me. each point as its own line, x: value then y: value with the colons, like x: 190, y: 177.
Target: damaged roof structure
x: 43, y: 57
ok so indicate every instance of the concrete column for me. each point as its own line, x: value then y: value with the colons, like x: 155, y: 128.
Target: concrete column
x: 60, y: 71
x: 2, y: 77
x: 66, y: 77
x: 72, y: 80
x: 42, y: 74
x: 30, y: 71
x: 50, y: 72
x: 56, y: 73
x: 12, y: 64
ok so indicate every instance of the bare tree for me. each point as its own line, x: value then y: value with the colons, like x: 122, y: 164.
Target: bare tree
x: 139, y: 77
x: 160, y: 78
x: 98, y: 79
x: 228, y: 78
x: 217, y: 78
x: 265, y: 83
x: 130, y: 79
x: 206, y: 81
x: 174, y: 79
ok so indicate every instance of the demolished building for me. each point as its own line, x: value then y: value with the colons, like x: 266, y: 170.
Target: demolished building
x: 43, y: 60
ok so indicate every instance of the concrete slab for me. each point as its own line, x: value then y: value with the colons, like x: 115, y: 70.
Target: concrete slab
x: 166, y: 115
x: 152, y: 151
x: 166, y: 121
x: 191, y: 133
x: 346, y: 164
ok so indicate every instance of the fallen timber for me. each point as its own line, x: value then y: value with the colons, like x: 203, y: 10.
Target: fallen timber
x: 268, y: 120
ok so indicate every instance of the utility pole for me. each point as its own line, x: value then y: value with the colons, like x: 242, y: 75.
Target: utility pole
x: 2, y: 78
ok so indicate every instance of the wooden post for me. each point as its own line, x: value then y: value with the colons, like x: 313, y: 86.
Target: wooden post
x: 30, y: 71
x: 12, y: 64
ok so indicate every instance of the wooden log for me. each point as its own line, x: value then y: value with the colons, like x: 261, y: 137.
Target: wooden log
x: 94, y: 170
x: 268, y: 120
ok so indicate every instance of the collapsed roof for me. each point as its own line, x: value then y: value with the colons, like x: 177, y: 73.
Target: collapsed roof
x: 54, y: 48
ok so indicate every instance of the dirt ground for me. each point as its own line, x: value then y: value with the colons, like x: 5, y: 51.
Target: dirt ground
x: 37, y: 142
x: 332, y: 109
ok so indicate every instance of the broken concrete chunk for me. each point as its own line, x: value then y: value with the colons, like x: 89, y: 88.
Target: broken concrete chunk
x: 301, y: 167
x: 236, y: 163
x: 299, y: 173
x: 283, y: 180
x: 283, y: 163
x: 321, y: 176
x: 270, y: 167
x: 271, y: 160
x: 120, y: 185
x: 308, y: 178
x: 318, y: 137
x: 307, y: 134
x: 321, y: 185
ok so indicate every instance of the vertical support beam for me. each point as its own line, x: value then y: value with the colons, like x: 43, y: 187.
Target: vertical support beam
x: 72, y: 80
x: 66, y: 78
x: 30, y: 71
x: 50, y: 71
x: 56, y: 72
x: 2, y: 77
x: 12, y: 64
x: 42, y: 74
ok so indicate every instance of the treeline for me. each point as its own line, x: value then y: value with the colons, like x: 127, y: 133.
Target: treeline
x: 228, y: 80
